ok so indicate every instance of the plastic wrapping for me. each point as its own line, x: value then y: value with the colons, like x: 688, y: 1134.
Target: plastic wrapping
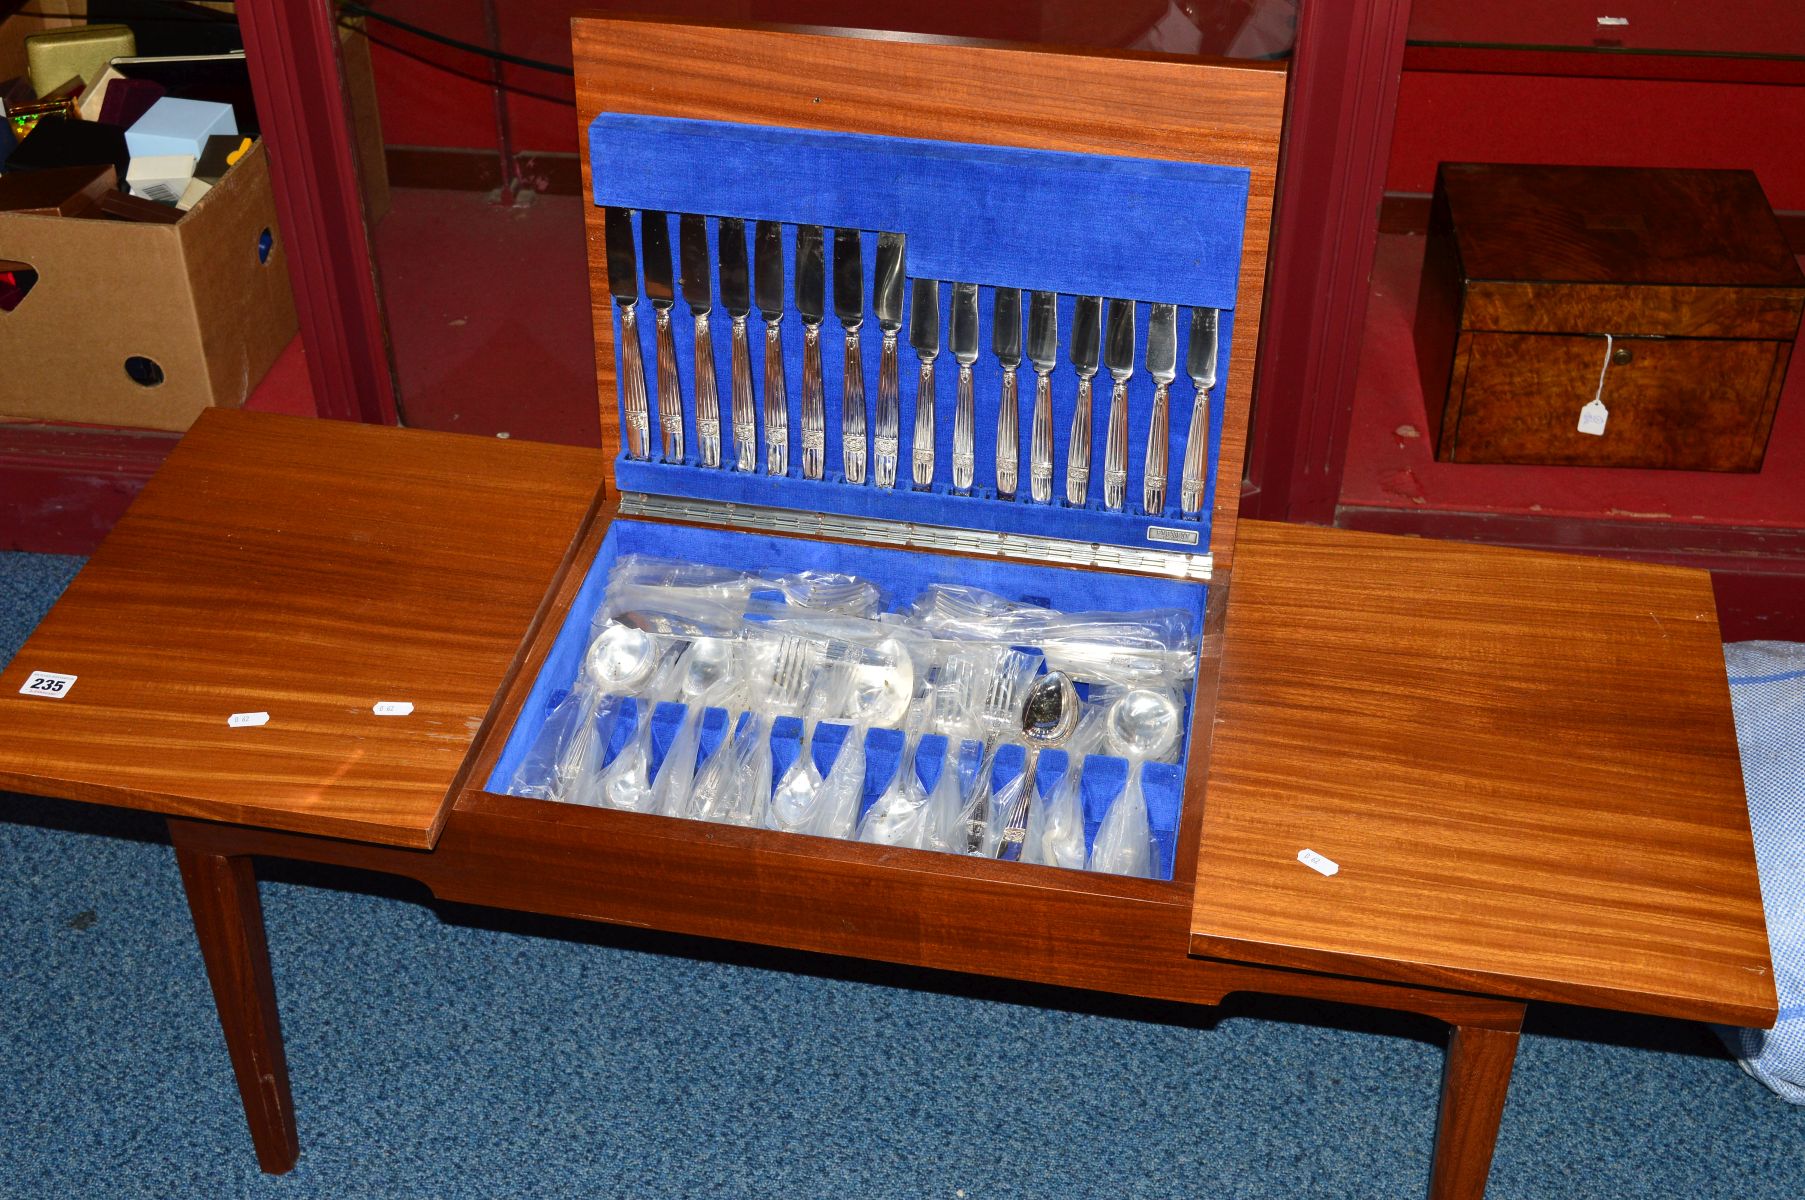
x: 710, y: 693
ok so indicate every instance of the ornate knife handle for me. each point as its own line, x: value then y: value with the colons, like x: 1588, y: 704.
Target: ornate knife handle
x: 852, y: 412
x: 1078, y: 450
x: 1153, y: 471
x: 633, y: 385
x: 1115, y: 448
x: 921, y: 449
x: 670, y: 389
x: 1009, y: 438
x: 965, y: 433
x: 708, y: 396
x: 889, y: 415
x: 1197, y: 449
x: 777, y: 403
x: 814, y: 411
x: 1040, y: 440
x: 745, y: 419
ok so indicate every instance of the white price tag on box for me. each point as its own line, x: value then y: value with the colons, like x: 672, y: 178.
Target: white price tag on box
x: 393, y: 708
x: 246, y: 720
x: 1317, y: 863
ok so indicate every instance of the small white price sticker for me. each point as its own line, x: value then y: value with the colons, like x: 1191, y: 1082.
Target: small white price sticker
x: 1317, y: 863
x: 1592, y: 418
x: 393, y: 708
x: 47, y: 684
x: 244, y: 720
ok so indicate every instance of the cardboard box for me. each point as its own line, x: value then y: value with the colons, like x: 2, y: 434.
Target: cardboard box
x: 203, y: 303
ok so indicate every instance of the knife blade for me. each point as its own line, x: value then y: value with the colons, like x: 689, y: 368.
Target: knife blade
x: 623, y: 285
x: 811, y: 304
x: 1006, y: 344
x: 1118, y: 356
x: 692, y: 259
x: 1043, y: 353
x: 1200, y: 365
x: 1162, y: 364
x: 655, y: 247
x: 849, y: 307
x: 767, y: 289
x: 924, y: 336
x: 963, y: 339
x: 1087, y: 331
x: 886, y: 306
x: 736, y: 298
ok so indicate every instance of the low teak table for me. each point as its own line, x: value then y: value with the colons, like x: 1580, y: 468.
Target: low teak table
x: 1524, y: 767
x: 1523, y: 764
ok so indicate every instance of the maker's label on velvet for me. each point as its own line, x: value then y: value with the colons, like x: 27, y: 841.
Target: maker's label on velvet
x: 47, y: 684
x: 1178, y: 537
x: 242, y: 720
x: 393, y: 708
x: 1317, y: 863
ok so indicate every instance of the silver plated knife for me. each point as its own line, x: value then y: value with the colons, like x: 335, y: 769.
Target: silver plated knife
x: 661, y: 290
x: 767, y: 290
x: 1162, y: 364
x: 849, y: 307
x: 886, y: 306
x: 1006, y: 344
x: 1087, y: 331
x: 963, y: 336
x: 692, y: 273
x: 1200, y: 365
x: 1118, y: 356
x: 1043, y: 352
x: 623, y: 285
x: 811, y: 303
x: 924, y: 335
x: 736, y: 298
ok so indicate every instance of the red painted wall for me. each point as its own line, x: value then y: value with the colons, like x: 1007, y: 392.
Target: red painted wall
x: 1609, y: 122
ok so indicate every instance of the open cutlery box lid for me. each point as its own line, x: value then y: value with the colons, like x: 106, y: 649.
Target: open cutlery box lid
x: 1124, y: 176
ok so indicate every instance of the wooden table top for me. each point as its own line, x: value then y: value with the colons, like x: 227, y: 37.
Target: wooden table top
x: 307, y: 569
x: 1523, y: 764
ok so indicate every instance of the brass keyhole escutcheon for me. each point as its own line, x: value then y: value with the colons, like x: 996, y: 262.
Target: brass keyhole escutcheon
x: 1621, y: 356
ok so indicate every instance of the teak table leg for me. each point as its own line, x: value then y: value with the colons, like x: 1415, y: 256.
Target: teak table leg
x: 1475, y: 1081
x: 228, y: 920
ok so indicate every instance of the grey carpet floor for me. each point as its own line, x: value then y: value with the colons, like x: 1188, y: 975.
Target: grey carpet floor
x: 439, y: 1051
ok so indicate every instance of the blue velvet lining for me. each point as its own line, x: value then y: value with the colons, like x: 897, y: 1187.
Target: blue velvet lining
x: 1130, y: 228
x: 902, y: 574
x: 1088, y: 224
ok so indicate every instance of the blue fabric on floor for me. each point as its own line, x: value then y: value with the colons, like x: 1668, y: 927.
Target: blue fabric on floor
x: 1767, y: 688
x: 446, y: 1052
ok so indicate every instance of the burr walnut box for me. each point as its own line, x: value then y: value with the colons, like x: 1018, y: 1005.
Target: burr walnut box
x: 1604, y: 316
